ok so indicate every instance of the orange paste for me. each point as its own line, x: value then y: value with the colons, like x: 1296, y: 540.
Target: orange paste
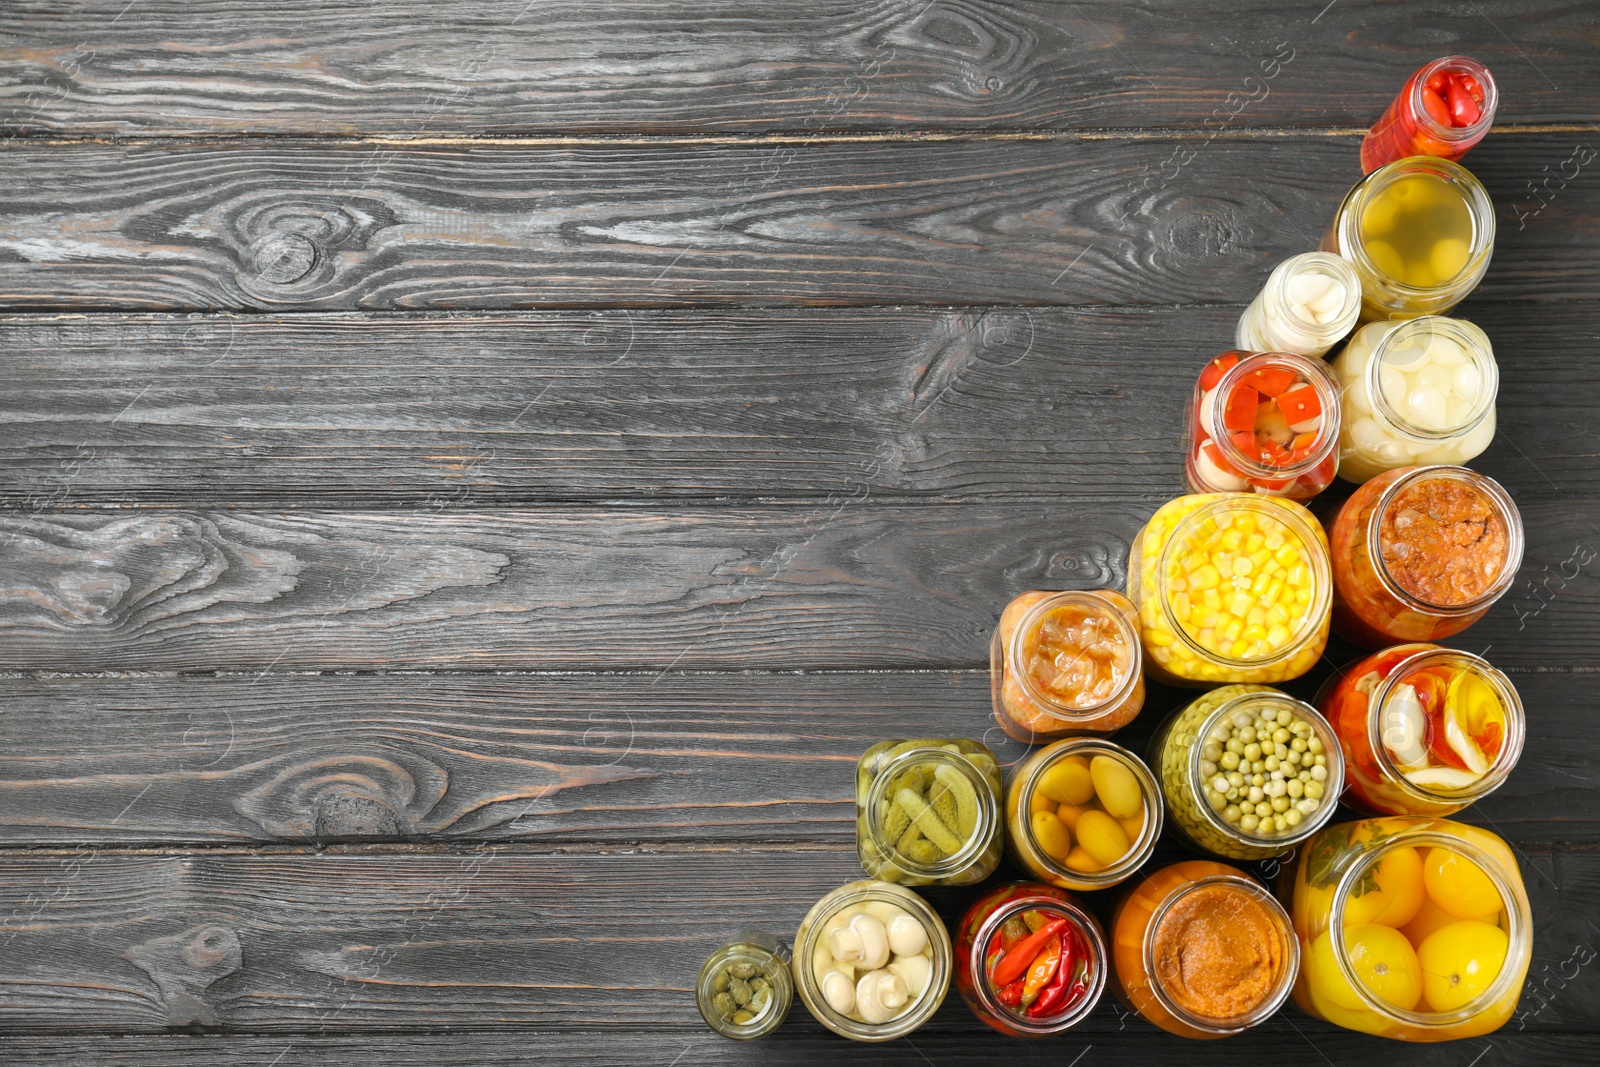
x: 1443, y: 542
x: 1218, y: 953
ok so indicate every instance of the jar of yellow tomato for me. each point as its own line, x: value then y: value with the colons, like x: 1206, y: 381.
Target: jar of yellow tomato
x: 1231, y: 587
x: 1410, y: 928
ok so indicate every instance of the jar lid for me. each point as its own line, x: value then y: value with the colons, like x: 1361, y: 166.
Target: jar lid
x: 745, y: 987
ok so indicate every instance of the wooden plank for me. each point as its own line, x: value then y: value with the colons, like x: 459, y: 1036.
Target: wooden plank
x: 104, y: 67
x: 332, y: 225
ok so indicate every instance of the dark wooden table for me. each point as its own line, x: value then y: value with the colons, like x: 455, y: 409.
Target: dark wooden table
x: 477, y: 475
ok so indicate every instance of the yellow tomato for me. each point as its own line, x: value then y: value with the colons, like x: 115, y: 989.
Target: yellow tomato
x: 1460, y: 886
x: 1429, y: 918
x: 1460, y: 961
x: 1068, y: 781
x: 1385, y: 963
x: 1398, y: 896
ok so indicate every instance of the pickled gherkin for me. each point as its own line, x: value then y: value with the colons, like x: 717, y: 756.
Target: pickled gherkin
x: 928, y: 811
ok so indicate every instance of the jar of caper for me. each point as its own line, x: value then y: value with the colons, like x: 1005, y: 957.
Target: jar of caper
x: 928, y: 811
x: 745, y: 988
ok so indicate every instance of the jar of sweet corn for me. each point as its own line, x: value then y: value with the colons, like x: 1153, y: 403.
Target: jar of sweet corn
x: 1231, y: 587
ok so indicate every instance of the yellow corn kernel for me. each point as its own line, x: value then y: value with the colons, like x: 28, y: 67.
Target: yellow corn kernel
x: 1274, y: 591
x: 1205, y: 617
x: 1302, y: 596
x: 1242, y: 565
x: 1299, y: 574
x: 1245, y: 521
x: 1230, y: 540
x: 1207, y: 640
x: 1232, y: 630
x: 1287, y: 555
x: 1212, y: 599
x: 1239, y: 650
x: 1257, y: 616
x: 1254, y: 633
x: 1205, y: 577
x: 1177, y: 585
x: 1240, y: 604
x: 1277, y: 636
x: 1253, y: 542
x: 1161, y: 638
x: 1181, y: 606
x: 1273, y: 541
x: 1275, y: 616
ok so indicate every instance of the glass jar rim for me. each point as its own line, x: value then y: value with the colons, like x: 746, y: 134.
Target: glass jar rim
x: 1277, y: 289
x: 1070, y: 716
x: 1138, y: 851
x: 1454, y: 134
x: 774, y: 968
x: 1087, y: 927
x: 1480, y: 209
x: 982, y: 834
x: 1316, y: 372
x: 1480, y: 353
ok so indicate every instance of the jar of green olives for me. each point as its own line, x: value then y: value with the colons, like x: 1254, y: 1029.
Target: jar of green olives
x: 928, y: 811
x: 745, y: 987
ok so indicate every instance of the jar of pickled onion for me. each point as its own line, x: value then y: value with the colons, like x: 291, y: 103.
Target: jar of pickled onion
x: 1263, y: 422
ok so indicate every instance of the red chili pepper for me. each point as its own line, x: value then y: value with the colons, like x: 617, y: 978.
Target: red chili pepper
x: 1301, y: 404
x: 1270, y: 381
x: 1239, y: 413
x: 1014, y: 964
x: 1011, y: 995
x: 1216, y: 369
x: 1433, y: 103
x: 1471, y: 85
x: 1215, y: 455
x: 1464, y: 111
x: 1042, y: 970
x: 1053, y: 997
x: 1436, y: 81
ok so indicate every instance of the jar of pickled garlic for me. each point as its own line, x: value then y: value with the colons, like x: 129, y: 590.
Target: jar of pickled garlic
x: 1420, y: 553
x: 1030, y: 960
x: 1201, y: 950
x: 744, y: 989
x: 1248, y: 772
x: 1066, y: 663
x: 1419, y: 232
x: 1263, y: 422
x: 1425, y: 730
x: 872, y: 961
x: 1082, y: 813
x: 1414, y: 929
x: 1444, y: 109
x: 928, y: 811
x: 1309, y: 303
x: 1231, y: 587
x: 1413, y: 393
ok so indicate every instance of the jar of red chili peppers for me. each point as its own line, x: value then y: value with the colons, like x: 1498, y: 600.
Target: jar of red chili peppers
x: 1444, y: 109
x: 1263, y: 422
x: 1030, y: 961
x: 1421, y: 553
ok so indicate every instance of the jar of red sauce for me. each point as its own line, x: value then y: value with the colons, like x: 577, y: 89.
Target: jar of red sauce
x: 1444, y: 109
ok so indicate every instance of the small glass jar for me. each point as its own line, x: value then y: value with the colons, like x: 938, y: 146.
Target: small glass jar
x: 928, y: 811
x: 1066, y: 663
x: 1421, y: 553
x: 872, y: 961
x: 1413, y: 929
x: 1309, y: 303
x: 1201, y: 950
x: 1064, y: 972
x: 1419, y: 232
x: 1231, y: 587
x: 1425, y: 730
x: 1444, y: 109
x: 744, y: 989
x: 1263, y: 422
x: 1415, y: 393
x: 1063, y: 784
x: 1248, y: 772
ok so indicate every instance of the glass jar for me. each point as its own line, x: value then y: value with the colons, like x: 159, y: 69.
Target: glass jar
x: 1063, y: 970
x: 1419, y: 232
x: 1425, y: 730
x: 928, y: 811
x: 1414, y: 929
x: 1201, y: 950
x: 744, y: 989
x: 1263, y: 422
x: 889, y: 951
x: 1444, y: 109
x: 1231, y: 587
x: 1414, y: 393
x: 1066, y: 663
x: 1248, y: 772
x: 1310, y: 301
x: 1420, y: 553
x: 1066, y: 782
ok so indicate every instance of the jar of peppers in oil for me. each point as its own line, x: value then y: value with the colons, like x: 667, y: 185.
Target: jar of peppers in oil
x: 1443, y: 110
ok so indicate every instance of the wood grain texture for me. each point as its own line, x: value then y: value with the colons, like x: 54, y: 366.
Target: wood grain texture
x: 508, y: 66
x: 338, y: 225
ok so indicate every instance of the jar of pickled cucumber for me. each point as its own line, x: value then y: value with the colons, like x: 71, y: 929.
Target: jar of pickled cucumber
x: 1310, y: 301
x: 1231, y: 587
x: 1082, y: 814
x: 1414, y: 929
x: 1248, y: 772
x: 745, y: 989
x: 928, y: 811
x: 1419, y: 232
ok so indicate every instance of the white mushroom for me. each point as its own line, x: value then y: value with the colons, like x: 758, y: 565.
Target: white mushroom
x: 879, y: 996
x: 864, y: 942
x: 883, y: 911
x: 907, y: 936
x: 840, y: 992
x: 915, y: 971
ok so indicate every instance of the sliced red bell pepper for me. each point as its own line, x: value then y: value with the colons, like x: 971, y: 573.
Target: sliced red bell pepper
x: 1219, y: 461
x: 1239, y: 413
x: 1014, y: 964
x: 1270, y: 381
x: 1300, y: 404
x: 1216, y: 369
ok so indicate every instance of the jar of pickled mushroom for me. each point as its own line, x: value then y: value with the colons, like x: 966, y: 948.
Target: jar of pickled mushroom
x: 1414, y: 929
x: 745, y: 989
x: 928, y: 811
x: 1201, y: 950
x: 1421, y: 553
x: 1425, y: 730
x: 872, y: 961
x: 1030, y: 960
x: 1414, y: 392
x: 1419, y: 233
x: 1310, y: 301
x: 1231, y: 587
x: 1263, y: 422
x: 1444, y: 109
x: 1248, y: 772
x: 1082, y: 813
x: 1066, y: 663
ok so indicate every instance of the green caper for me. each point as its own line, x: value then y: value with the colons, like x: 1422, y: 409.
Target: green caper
x: 740, y: 989
x: 744, y: 1016
x: 725, y: 1004
x: 719, y: 984
x: 745, y: 971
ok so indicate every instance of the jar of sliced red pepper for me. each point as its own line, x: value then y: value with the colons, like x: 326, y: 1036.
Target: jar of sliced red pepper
x: 1263, y: 422
x: 1444, y: 109
x: 1030, y: 960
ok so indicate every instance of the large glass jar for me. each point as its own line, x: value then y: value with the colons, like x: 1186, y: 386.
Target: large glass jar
x: 1414, y: 929
x: 1420, y: 553
x: 1248, y: 772
x: 1444, y: 109
x: 1263, y: 422
x: 744, y: 989
x: 1201, y: 950
x: 1082, y: 813
x: 1419, y: 232
x: 1425, y: 730
x: 1231, y: 587
x: 1030, y: 960
x: 1414, y: 393
x: 1066, y: 663
x: 872, y: 961
x: 1310, y: 301
x: 928, y: 811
